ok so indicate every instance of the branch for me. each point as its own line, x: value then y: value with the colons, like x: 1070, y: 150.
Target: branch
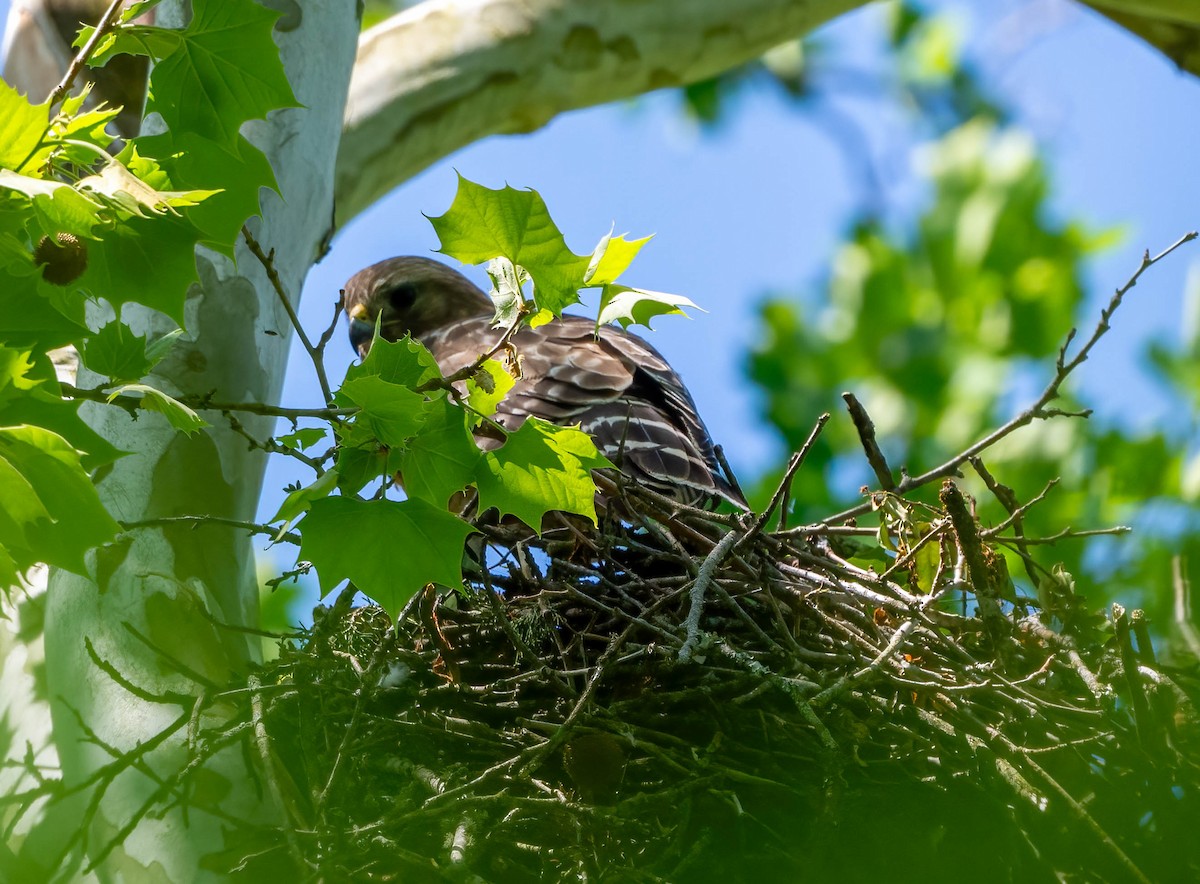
x: 1039, y: 410
x: 206, y: 403
x: 197, y: 521
x: 443, y: 74
x: 267, y: 260
x: 107, y: 22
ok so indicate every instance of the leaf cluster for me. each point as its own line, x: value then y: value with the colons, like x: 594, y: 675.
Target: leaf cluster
x: 88, y: 225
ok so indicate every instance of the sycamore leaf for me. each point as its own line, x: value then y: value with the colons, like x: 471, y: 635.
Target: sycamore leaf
x: 540, y: 318
x: 488, y: 388
x: 16, y: 367
x: 32, y: 311
x: 628, y: 306
x: 302, y: 439
x: 179, y: 415
x: 393, y: 412
x: 299, y: 501
x: 161, y: 346
x: 611, y: 257
x: 58, y: 207
x: 359, y: 464
x: 405, y: 362
x: 29, y: 394
x: 240, y: 169
x: 442, y: 458
x: 150, y: 261
x: 49, y: 509
x: 482, y: 224
x: 116, y: 352
x: 925, y: 563
x: 508, y: 291
x: 22, y: 126
x: 389, y: 549
x: 132, y: 195
x: 220, y: 71
x: 541, y: 467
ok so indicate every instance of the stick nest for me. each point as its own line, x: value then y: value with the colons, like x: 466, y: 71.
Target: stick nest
x: 694, y: 698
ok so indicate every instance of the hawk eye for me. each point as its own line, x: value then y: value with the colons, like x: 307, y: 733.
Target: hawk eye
x: 402, y: 296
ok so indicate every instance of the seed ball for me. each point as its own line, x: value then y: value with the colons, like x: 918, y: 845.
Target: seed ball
x: 63, y: 258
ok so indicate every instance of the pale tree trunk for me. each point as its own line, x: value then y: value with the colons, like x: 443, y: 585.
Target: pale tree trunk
x: 149, y: 609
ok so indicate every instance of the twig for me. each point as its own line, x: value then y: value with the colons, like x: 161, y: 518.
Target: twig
x: 207, y: 403
x: 866, y: 435
x: 1039, y: 410
x: 979, y: 573
x: 719, y: 453
x: 267, y: 260
x: 469, y: 371
x: 271, y: 446
x: 699, y: 587
x: 1017, y: 514
x: 1064, y: 534
x: 779, y: 498
x: 106, y: 23
x: 197, y: 521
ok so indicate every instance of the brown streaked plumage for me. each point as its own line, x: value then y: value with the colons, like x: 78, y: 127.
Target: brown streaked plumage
x: 617, y: 387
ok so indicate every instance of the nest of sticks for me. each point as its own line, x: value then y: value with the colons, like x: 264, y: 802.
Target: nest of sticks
x: 681, y: 696
x: 685, y: 696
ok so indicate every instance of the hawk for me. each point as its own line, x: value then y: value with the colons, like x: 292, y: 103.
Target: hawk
x: 617, y: 387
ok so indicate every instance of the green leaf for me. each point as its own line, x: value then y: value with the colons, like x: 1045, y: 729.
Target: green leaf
x: 356, y: 465
x: 541, y: 467
x: 131, y: 194
x: 298, y: 502
x: 393, y: 412
x: 219, y: 72
x: 22, y: 126
x: 49, y: 509
x: 304, y: 438
x: 488, y: 388
x: 152, y: 399
x: 16, y: 367
x: 116, y: 352
x: 404, y: 362
x: 57, y: 206
x: 240, y: 171
x: 161, y: 346
x: 611, y: 257
x: 482, y: 224
x: 628, y: 306
x: 442, y: 458
x: 33, y: 398
x: 389, y: 549
x: 149, y: 261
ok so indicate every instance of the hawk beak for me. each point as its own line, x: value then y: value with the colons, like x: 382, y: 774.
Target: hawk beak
x: 362, y: 329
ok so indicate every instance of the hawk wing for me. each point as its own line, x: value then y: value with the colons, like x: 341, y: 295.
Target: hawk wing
x: 619, y: 390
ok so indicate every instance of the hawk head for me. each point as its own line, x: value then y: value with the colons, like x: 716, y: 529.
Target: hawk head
x: 408, y: 296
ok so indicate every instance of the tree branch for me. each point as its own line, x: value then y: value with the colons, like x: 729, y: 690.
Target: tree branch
x: 443, y: 74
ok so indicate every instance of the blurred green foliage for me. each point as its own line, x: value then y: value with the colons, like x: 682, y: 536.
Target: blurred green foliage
x: 947, y: 324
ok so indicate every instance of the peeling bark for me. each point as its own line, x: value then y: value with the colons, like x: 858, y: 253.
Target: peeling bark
x: 148, y: 607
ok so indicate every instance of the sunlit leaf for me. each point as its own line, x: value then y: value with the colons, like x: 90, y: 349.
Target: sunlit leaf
x: 542, y: 467
x: 482, y: 224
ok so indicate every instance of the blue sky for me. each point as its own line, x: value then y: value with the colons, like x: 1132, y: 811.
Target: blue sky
x: 758, y: 206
